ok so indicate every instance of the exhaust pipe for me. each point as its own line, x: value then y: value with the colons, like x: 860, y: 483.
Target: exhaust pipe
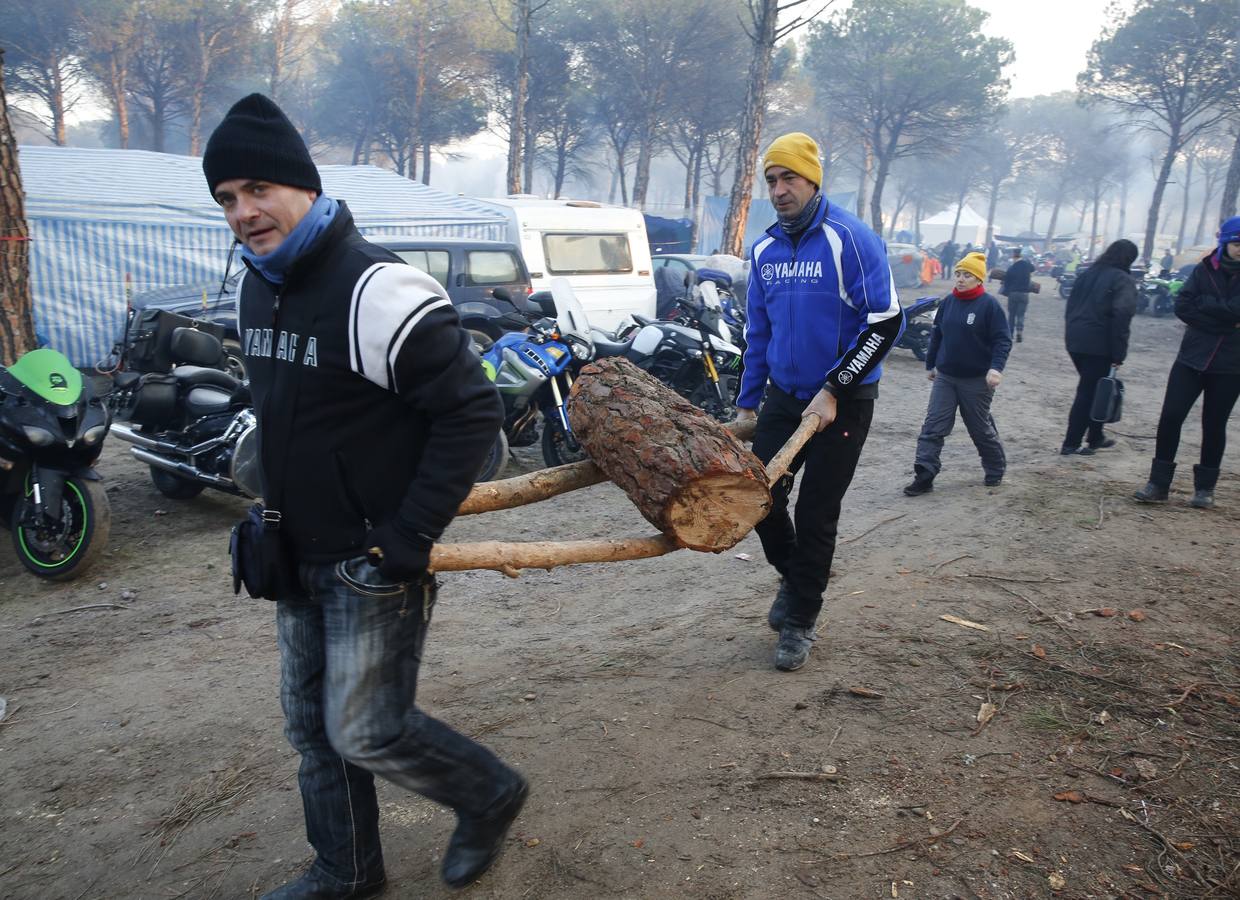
x: 127, y: 434
x: 185, y: 470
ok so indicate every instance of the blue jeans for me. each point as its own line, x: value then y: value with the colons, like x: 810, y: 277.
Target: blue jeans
x: 350, y: 647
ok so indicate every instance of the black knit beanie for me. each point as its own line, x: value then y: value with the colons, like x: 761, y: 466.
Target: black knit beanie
x: 255, y: 140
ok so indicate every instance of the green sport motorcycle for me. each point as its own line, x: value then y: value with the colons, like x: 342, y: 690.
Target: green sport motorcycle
x: 51, y: 432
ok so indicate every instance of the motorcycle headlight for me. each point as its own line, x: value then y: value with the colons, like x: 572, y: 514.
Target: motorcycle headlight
x: 580, y: 351
x: 38, y: 437
x: 94, y: 435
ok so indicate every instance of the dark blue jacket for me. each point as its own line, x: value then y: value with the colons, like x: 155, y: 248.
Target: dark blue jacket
x: 822, y: 312
x: 970, y: 337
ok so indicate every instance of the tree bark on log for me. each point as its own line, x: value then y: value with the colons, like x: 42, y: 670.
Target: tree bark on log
x: 521, y: 490
x: 16, y: 319
x: 687, y: 474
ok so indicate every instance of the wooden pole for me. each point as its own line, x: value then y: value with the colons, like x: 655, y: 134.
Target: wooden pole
x: 511, y: 558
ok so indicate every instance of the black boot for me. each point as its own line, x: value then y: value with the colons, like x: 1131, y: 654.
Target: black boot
x: 922, y: 483
x: 477, y: 841
x: 779, y: 609
x: 1161, y: 473
x: 1203, y: 487
x: 793, y: 648
x: 313, y: 885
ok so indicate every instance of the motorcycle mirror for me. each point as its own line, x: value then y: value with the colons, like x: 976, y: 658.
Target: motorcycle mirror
x: 502, y: 294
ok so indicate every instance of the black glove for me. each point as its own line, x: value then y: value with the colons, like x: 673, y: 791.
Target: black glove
x: 400, y: 554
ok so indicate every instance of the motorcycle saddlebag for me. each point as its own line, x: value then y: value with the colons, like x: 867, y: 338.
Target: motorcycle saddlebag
x: 148, y: 341
x: 155, y: 402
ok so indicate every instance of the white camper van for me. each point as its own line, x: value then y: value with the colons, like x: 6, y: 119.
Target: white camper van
x: 602, y: 251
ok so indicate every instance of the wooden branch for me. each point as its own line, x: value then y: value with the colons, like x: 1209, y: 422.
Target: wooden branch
x: 778, y: 467
x: 510, y: 558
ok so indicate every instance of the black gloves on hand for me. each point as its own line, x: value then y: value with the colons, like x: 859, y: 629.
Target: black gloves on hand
x: 405, y: 553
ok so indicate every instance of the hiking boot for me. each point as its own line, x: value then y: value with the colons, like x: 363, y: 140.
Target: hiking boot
x: 1159, y: 485
x: 1065, y: 450
x: 779, y: 609
x: 793, y: 648
x: 1102, y: 444
x: 1204, y: 480
x: 922, y: 483
x: 314, y: 885
x: 478, y: 840
x: 993, y: 480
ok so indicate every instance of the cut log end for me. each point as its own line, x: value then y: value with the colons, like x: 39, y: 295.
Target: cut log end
x: 715, y: 512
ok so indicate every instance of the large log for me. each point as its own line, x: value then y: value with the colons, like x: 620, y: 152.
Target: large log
x: 520, y: 490
x: 690, y: 477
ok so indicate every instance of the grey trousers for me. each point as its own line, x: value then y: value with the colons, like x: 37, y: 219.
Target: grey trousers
x: 972, y: 397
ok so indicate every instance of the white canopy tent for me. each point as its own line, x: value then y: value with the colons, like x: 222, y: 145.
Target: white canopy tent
x: 938, y: 228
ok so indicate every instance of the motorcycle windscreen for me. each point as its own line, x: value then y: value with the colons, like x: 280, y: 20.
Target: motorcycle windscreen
x: 569, y: 313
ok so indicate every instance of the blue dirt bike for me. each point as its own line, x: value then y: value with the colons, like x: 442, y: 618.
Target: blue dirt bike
x: 534, y: 370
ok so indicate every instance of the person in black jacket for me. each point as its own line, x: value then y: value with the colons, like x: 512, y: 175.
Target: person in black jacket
x: 968, y: 350
x: 1017, y: 281
x: 1098, y: 316
x: 374, y: 417
x: 1208, y: 363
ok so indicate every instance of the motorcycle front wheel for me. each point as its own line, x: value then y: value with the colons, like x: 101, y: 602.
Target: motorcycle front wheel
x: 64, y: 551
x: 496, y: 461
x: 559, y: 448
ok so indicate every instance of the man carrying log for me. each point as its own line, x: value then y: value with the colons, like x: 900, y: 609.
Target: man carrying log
x: 823, y: 313
x: 374, y: 417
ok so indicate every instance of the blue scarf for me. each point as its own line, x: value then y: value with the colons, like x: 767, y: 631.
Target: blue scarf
x: 275, y: 264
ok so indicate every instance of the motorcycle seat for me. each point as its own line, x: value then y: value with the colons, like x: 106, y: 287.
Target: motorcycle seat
x: 194, y: 376
x: 204, y: 400
x: 604, y: 347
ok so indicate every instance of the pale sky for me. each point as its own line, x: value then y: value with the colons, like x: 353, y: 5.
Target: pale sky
x: 1051, y: 39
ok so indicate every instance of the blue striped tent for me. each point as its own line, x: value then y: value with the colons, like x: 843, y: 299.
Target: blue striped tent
x: 105, y: 224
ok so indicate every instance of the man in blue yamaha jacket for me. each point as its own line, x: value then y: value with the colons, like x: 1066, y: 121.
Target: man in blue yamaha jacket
x: 823, y: 313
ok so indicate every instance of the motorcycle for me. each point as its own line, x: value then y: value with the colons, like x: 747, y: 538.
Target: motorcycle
x: 919, y: 324
x: 693, y: 355
x: 1156, y: 295
x: 51, y: 433
x: 534, y: 370
x: 192, y: 425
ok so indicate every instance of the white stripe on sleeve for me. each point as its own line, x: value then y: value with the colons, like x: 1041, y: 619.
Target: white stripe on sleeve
x: 389, y: 301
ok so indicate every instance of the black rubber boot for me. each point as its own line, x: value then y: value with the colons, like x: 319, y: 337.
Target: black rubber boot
x: 1159, y: 486
x: 922, y: 483
x: 1203, y: 487
x: 779, y: 609
x: 477, y: 842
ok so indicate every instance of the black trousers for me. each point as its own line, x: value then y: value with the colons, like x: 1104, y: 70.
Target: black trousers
x: 1018, y: 302
x: 802, y: 552
x: 1092, y: 369
x: 1184, y: 386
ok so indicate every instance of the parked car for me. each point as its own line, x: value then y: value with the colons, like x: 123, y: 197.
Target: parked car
x: 471, y: 271
x: 906, y: 264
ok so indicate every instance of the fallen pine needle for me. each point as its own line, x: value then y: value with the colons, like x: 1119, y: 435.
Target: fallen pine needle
x: 928, y: 839
x: 965, y: 623
x: 800, y: 776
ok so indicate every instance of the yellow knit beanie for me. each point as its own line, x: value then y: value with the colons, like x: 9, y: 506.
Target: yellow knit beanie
x: 974, y: 264
x: 795, y: 151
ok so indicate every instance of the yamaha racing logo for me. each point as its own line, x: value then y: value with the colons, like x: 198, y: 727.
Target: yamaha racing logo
x: 845, y: 377
x: 806, y: 268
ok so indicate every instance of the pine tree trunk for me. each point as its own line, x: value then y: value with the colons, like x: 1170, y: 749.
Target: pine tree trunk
x: 516, y: 130
x: 733, y: 240
x: 689, y: 476
x: 1160, y: 186
x: 426, y: 163
x: 1188, y: 186
x: 863, y: 181
x: 16, y: 319
x: 1231, y: 187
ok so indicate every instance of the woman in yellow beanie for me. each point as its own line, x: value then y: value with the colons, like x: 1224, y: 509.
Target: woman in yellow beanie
x: 968, y: 349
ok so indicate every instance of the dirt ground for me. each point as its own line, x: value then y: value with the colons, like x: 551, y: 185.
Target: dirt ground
x: 142, y: 754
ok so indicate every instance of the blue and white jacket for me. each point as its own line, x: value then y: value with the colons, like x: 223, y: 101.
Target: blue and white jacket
x: 822, y: 312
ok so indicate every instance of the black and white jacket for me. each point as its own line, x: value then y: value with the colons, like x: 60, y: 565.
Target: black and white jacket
x: 371, y: 402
